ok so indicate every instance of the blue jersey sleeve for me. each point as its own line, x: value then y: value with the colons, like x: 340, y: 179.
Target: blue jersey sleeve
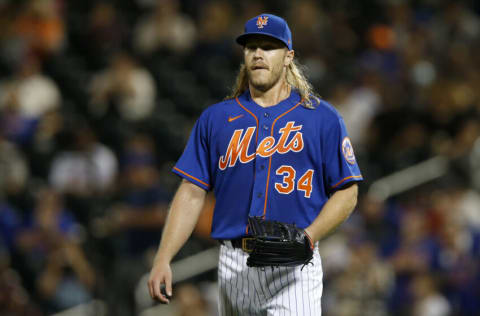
x: 194, y: 164
x: 340, y: 165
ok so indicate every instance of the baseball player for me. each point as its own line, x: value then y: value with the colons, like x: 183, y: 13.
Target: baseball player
x: 272, y: 153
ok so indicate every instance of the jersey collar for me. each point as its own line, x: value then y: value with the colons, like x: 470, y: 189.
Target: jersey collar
x: 292, y: 99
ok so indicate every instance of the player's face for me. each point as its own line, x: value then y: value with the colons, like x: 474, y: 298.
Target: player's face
x: 265, y: 60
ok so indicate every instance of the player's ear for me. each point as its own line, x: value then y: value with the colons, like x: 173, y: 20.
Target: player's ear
x: 289, y: 57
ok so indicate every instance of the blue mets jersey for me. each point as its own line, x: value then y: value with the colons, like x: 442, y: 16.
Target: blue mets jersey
x: 282, y: 162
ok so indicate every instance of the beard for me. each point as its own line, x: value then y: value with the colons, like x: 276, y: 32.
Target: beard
x: 264, y: 82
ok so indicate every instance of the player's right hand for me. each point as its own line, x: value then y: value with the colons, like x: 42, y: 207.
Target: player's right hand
x: 160, y: 277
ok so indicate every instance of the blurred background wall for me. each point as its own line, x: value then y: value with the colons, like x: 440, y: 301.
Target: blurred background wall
x: 97, y: 99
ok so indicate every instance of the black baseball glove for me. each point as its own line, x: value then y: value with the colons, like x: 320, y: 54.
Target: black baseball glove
x: 277, y: 244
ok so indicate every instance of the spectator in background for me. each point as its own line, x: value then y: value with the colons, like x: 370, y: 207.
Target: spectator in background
x: 45, y: 143
x: 214, y: 48
x: 455, y: 23
x: 214, y: 31
x: 166, y: 29
x: 358, y: 106
x: 309, y: 20
x: 363, y: 287
x: 468, y: 201
x: 84, y: 171
x: 125, y: 86
x: 428, y: 301
x: 133, y: 224
x: 9, y: 224
x: 41, y: 26
x: 417, y: 251
x: 88, y: 168
x: 106, y: 33
x: 14, y: 171
x: 453, y: 219
x: 27, y: 100
x: 49, y: 244
x: 29, y: 93
x: 16, y: 127
x: 142, y: 202
x: 14, y: 299
x: 380, y: 222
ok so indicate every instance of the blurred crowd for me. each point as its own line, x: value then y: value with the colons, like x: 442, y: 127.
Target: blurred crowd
x: 97, y: 99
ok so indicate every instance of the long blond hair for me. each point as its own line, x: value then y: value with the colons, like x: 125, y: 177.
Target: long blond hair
x: 294, y: 76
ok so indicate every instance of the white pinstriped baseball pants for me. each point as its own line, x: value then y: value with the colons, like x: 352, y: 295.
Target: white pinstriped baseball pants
x: 267, y: 291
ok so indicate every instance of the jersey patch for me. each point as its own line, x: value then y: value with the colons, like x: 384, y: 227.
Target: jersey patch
x: 347, y: 150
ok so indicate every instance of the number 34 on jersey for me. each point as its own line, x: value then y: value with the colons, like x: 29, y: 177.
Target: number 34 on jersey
x: 304, y: 183
x: 238, y: 151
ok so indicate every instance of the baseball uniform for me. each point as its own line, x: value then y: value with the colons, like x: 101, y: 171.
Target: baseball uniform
x: 280, y: 162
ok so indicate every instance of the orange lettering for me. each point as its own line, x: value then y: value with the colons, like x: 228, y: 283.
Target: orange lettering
x: 237, y: 148
x: 239, y: 144
x: 266, y: 144
x: 288, y: 182
x: 285, y: 131
x: 288, y: 179
x: 296, y: 144
x: 305, y: 183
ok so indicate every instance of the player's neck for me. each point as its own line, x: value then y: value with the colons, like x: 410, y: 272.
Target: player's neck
x: 279, y: 92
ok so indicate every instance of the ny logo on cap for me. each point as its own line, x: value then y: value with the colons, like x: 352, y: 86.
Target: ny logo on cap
x: 262, y: 21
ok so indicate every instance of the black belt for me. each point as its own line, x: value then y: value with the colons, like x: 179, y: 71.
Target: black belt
x: 244, y: 243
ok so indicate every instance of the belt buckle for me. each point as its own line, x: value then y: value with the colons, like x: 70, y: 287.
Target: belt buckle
x: 244, y: 244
